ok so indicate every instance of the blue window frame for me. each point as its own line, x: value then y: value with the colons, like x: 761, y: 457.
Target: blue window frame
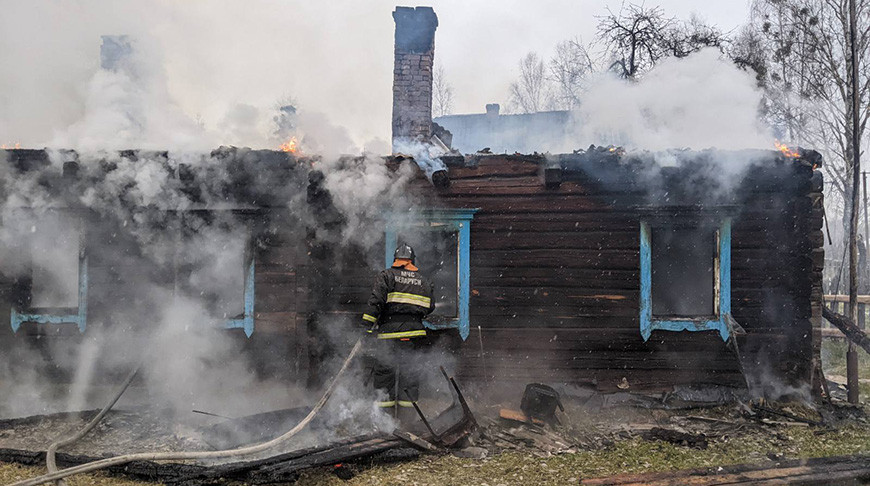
x: 246, y: 320
x: 75, y: 315
x: 458, y: 220
x: 721, y: 289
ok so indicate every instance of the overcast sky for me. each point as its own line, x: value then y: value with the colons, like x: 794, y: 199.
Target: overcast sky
x: 333, y: 57
x: 478, y: 65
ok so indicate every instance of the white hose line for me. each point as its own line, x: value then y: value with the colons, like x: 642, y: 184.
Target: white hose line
x: 181, y: 456
x: 50, y: 461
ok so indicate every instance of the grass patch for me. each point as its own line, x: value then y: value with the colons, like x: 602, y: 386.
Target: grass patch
x: 630, y: 456
x: 10, y: 473
x: 514, y: 468
x: 834, y: 363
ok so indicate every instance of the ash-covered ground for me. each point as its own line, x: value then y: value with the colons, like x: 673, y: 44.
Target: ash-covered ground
x: 120, y: 432
x: 599, y: 435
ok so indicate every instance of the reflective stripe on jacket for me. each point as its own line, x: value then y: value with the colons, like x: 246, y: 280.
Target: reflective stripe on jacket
x: 400, y: 299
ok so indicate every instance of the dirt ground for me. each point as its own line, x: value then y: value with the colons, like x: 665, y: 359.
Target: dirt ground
x: 521, y: 468
x: 600, y: 435
x: 600, y: 443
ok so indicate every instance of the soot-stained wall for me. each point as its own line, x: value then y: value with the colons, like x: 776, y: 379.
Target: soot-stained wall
x: 555, y: 271
x: 554, y: 260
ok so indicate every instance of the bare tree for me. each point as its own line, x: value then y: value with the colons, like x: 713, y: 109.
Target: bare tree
x: 531, y: 92
x: 635, y: 37
x: 808, y: 87
x: 442, y: 93
x: 682, y: 38
x: 747, y: 51
x: 570, y: 69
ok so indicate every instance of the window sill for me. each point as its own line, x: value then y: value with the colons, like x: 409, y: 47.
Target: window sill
x: 685, y: 325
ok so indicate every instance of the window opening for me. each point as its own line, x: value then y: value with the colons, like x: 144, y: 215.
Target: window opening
x: 437, y: 249
x: 442, y: 241
x: 685, y: 278
x: 59, y: 273
x: 224, y: 280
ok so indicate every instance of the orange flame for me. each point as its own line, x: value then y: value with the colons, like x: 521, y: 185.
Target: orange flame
x: 291, y: 146
x: 786, y: 150
x: 15, y: 146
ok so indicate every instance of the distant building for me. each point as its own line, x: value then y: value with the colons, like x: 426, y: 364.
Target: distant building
x: 523, y: 133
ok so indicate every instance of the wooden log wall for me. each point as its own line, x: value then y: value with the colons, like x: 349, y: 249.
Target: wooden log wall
x: 555, y: 280
x: 555, y: 283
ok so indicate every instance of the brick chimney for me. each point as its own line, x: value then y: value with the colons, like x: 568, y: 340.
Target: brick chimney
x: 412, y: 72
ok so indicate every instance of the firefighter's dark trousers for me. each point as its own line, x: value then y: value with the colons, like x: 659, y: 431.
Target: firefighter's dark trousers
x: 396, y: 372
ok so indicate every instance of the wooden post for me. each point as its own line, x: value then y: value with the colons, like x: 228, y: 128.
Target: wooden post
x: 852, y: 353
x: 866, y: 226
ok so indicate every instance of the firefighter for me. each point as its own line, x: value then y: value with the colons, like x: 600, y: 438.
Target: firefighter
x: 401, y: 298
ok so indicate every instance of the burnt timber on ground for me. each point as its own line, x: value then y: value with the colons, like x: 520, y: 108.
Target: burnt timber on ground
x: 142, y: 470
x: 816, y: 472
x: 281, y: 468
x: 286, y: 467
x: 554, y: 260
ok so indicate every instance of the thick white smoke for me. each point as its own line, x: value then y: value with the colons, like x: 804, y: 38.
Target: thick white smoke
x: 214, y: 73
x: 698, y: 102
x: 170, y: 323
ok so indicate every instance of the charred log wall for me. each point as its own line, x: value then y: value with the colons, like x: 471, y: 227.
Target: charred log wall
x: 555, y: 281
x: 555, y: 278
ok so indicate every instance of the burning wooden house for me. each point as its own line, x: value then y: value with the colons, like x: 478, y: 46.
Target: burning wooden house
x: 597, y: 267
x: 601, y: 268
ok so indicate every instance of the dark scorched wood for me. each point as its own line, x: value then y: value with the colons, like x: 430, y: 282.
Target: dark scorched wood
x: 142, y: 470
x: 286, y: 467
x: 816, y: 471
x: 844, y: 324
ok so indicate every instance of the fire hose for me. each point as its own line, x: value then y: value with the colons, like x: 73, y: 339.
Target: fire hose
x: 50, y: 461
x: 191, y: 455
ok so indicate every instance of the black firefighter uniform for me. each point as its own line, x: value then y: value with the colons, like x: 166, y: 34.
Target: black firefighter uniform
x: 400, y: 299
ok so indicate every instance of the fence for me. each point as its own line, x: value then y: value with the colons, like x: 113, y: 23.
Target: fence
x: 840, y: 305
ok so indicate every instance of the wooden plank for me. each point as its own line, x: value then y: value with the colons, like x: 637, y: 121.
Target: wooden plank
x: 274, y: 275
x: 143, y: 470
x: 606, y: 380
x: 518, y: 362
x: 844, y: 324
x: 628, y: 479
x: 566, y: 258
x: 509, y: 240
x: 544, y: 203
x: 280, y: 255
x: 518, y: 416
x: 274, y: 297
x: 275, y: 322
x: 508, y: 186
x: 498, y: 312
x: 596, y: 339
x: 534, y: 318
x: 558, y: 277
x: 818, y: 473
x: 862, y: 299
x: 492, y: 166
